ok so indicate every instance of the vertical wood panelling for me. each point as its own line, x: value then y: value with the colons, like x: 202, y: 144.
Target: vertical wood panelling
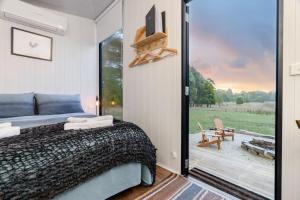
x: 291, y: 99
x: 73, y: 69
x: 152, y: 92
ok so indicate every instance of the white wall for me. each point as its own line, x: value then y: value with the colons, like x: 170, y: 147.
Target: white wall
x: 111, y: 22
x: 73, y: 69
x: 152, y: 92
x: 291, y: 102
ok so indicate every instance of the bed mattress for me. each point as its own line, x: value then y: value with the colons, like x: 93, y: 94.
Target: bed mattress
x: 108, y: 184
x: 39, y: 120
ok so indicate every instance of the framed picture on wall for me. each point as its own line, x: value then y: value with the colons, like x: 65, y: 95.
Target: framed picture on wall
x: 31, y: 45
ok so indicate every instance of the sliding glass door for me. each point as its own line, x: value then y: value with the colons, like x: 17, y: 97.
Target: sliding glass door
x: 232, y: 86
x: 111, y: 76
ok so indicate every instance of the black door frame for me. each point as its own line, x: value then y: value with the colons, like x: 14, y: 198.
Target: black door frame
x: 100, y: 79
x: 100, y: 93
x: 185, y: 95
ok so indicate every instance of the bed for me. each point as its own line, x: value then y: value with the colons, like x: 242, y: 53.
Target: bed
x: 46, y: 162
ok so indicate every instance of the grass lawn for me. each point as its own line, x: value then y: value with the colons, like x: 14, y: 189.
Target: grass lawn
x: 259, y: 123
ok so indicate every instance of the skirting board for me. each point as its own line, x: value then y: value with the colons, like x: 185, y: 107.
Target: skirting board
x: 167, y: 168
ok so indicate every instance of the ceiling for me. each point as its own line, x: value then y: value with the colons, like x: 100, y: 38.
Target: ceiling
x: 85, y: 8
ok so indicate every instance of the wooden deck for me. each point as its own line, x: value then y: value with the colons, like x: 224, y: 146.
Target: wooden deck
x: 234, y: 164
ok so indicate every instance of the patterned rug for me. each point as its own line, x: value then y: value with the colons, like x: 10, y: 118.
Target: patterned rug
x: 177, y: 187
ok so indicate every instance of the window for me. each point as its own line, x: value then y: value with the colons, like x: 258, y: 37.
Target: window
x: 111, y: 80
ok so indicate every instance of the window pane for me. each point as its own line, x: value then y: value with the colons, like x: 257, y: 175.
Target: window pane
x: 112, y: 80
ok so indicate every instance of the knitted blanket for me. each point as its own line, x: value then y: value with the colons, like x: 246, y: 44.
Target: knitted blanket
x: 46, y: 160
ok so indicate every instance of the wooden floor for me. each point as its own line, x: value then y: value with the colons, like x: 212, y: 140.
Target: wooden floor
x: 171, y: 186
x: 161, y: 174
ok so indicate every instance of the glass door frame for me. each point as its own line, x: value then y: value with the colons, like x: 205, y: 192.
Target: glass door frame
x: 185, y: 95
x: 100, y: 80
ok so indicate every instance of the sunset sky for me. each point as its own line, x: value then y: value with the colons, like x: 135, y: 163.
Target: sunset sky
x: 233, y: 42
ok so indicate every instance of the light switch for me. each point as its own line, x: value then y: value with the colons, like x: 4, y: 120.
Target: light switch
x: 174, y: 154
x: 295, y: 69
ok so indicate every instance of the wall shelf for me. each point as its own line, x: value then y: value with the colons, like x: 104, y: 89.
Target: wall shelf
x: 149, y: 40
x: 147, y: 47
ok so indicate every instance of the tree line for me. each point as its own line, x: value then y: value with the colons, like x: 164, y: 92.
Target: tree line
x: 112, y: 67
x: 203, y: 92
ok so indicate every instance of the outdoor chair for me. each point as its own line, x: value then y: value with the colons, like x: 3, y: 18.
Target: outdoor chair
x: 221, y: 131
x: 207, y: 141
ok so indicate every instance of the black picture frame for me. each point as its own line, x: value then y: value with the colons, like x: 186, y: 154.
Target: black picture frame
x: 150, y: 21
x: 27, y: 56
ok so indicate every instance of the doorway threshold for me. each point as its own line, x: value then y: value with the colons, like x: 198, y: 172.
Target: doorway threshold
x: 224, y: 185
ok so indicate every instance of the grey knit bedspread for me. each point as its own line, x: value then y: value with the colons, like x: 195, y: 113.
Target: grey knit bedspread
x: 46, y: 160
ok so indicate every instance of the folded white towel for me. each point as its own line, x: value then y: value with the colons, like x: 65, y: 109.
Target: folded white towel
x: 5, y: 125
x: 9, y: 132
x: 85, y: 119
x: 76, y: 120
x: 88, y: 125
x: 104, y: 117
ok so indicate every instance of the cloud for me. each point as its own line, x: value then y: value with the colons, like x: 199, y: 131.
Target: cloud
x: 234, y: 42
x: 249, y: 26
x: 239, y: 63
